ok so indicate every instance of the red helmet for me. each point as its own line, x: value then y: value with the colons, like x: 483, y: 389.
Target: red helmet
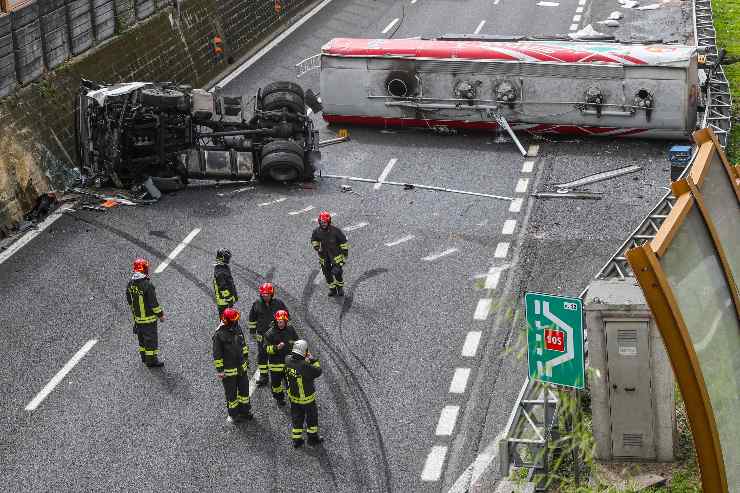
x: 325, y: 217
x: 282, y: 315
x: 266, y: 288
x: 230, y: 315
x: 141, y: 265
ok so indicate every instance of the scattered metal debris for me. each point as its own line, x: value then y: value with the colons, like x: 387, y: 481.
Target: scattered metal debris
x: 152, y: 189
x: 348, y: 188
x: 597, y: 177
x: 330, y: 142
x: 567, y: 195
x: 609, y: 22
x: 234, y: 192
x: 652, y: 6
x: 411, y: 186
x: 589, y: 32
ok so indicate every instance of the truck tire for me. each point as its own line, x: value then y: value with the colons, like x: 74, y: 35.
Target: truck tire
x: 282, y: 99
x: 282, y: 160
x: 283, y: 86
x: 165, y: 98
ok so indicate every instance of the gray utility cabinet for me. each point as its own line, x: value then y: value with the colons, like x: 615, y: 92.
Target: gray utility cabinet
x: 631, y: 379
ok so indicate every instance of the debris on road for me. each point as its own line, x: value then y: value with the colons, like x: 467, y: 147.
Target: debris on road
x: 615, y: 15
x: 588, y: 32
x: 597, y: 177
x: 652, y: 6
x: 234, y: 192
x: 337, y: 140
x: 567, y: 195
x: 609, y: 22
x: 411, y: 186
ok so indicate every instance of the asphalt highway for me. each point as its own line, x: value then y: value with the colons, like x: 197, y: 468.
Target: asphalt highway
x: 417, y: 376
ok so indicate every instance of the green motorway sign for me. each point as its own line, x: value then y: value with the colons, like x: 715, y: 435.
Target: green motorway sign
x: 555, y: 339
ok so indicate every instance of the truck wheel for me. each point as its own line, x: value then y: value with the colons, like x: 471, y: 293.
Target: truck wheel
x: 282, y: 99
x: 282, y: 160
x: 282, y: 86
x: 165, y: 98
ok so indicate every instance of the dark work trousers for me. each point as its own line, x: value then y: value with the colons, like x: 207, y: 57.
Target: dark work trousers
x: 237, y: 394
x: 333, y: 274
x: 262, y: 360
x: 277, y: 374
x: 304, y: 413
x: 148, y: 342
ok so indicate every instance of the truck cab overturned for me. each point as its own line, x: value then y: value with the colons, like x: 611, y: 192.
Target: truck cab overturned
x: 573, y: 87
x: 130, y: 131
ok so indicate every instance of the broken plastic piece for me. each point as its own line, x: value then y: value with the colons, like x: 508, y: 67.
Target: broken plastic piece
x: 151, y: 189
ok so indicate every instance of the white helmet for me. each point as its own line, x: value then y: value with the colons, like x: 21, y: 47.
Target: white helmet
x: 300, y: 347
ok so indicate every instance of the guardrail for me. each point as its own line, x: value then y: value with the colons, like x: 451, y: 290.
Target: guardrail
x: 717, y: 117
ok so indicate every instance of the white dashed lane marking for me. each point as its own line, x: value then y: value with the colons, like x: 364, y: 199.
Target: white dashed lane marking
x: 509, y: 227
x: 459, y: 381
x: 439, y: 255
x: 494, y: 276
x: 577, y: 18
x: 385, y: 172
x: 355, y: 226
x: 179, y: 248
x: 521, y: 185
x: 502, y: 249
x: 447, y: 420
x: 573, y: 27
x: 400, y: 240
x: 305, y: 209
x: 533, y: 150
x: 470, y: 346
x: 516, y: 205
x: 276, y: 201
x: 528, y: 166
x: 483, y: 309
x: 480, y: 26
x: 579, y: 10
x: 56, y: 379
x: 433, y: 465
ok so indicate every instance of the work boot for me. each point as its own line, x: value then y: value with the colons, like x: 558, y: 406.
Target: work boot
x: 314, y: 439
x: 340, y: 291
x: 298, y: 443
x: 246, y: 414
x: 280, y: 400
x: 332, y: 292
x: 262, y: 380
x: 155, y: 364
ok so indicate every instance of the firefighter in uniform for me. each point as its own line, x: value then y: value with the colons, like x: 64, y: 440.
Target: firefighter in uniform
x: 278, y: 343
x: 300, y: 371
x: 332, y: 247
x: 142, y: 299
x: 231, y: 359
x: 260, y: 318
x: 223, y: 282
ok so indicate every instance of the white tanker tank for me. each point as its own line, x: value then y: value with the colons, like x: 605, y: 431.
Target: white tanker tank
x: 570, y: 87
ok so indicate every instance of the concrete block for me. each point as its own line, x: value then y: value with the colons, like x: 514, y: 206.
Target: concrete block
x: 104, y: 20
x: 144, y: 8
x: 5, y: 24
x: 6, y: 45
x: 8, y: 81
x: 46, y: 6
x: 29, y: 52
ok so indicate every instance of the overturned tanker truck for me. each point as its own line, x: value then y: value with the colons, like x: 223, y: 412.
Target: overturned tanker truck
x: 130, y: 131
x: 571, y: 87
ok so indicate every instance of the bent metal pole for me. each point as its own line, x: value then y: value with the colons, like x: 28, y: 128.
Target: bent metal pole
x: 416, y: 185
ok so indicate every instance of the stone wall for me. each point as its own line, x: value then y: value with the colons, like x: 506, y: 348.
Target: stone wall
x: 36, y: 122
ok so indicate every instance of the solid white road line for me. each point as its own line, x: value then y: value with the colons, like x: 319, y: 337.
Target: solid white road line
x: 439, y: 255
x: 502, y: 249
x: 516, y: 205
x: 276, y: 201
x: 447, y: 420
x: 521, y: 185
x: 305, y: 209
x: 573, y: 27
x: 179, y: 248
x: 548, y: 4
x: 528, y: 166
x: 533, y: 150
x: 433, y: 465
x: 26, y: 238
x: 59, y: 376
x: 483, y: 309
x: 494, y: 276
x: 355, y: 226
x: 577, y: 18
x: 459, y: 381
x: 385, y: 172
x: 480, y: 26
x: 509, y: 227
x: 390, y: 26
x: 236, y: 73
x: 400, y: 240
x: 470, y: 346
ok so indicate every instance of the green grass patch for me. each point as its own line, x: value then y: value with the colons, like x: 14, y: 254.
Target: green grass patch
x: 727, y: 24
